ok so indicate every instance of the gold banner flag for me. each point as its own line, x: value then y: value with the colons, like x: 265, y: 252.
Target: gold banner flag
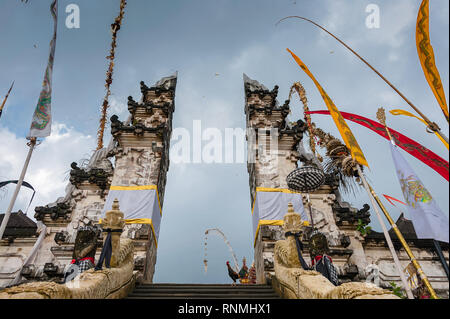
x: 426, y: 56
x: 346, y: 133
x: 406, y: 113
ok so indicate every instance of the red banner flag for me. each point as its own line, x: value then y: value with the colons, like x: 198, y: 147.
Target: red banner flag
x: 415, y: 149
x: 390, y: 199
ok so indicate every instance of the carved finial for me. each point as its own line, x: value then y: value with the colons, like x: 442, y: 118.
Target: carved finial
x: 115, y: 205
x: 291, y: 208
x: 381, y: 116
x: 292, y: 221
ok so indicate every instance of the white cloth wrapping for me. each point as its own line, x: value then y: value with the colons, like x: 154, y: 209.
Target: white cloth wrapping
x: 139, y: 204
x: 428, y: 219
x: 270, y: 206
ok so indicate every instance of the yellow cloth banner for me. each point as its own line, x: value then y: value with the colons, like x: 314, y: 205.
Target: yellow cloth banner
x: 342, y: 126
x: 406, y: 113
x: 426, y: 56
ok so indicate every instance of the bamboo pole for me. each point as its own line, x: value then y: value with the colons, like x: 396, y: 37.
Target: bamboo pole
x: 31, y: 144
x: 432, y: 125
x: 405, y: 245
x: 310, y: 211
x: 381, y: 115
x: 115, y: 27
x: 386, y: 235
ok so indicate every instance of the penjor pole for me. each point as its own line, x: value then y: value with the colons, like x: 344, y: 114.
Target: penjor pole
x: 31, y: 144
x: 437, y: 246
x: 433, y: 126
x: 382, y: 118
x: 386, y: 235
x: 115, y: 27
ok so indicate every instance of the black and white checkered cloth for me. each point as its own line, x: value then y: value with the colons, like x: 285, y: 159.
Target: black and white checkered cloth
x: 77, y: 268
x: 306, y: 179
x: 327, y: 269
x: 85, y: 265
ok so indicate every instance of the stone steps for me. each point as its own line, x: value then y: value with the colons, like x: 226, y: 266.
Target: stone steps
x: 200, y: 291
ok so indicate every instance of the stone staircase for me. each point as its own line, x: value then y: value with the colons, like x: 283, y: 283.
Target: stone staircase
x: 202, y: 291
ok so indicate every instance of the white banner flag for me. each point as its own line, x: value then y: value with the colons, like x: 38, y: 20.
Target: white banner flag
x: 428, y: 219
x: 42, y: 117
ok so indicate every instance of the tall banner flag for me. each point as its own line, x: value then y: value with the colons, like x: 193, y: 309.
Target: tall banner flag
x: 426, y: 56
x: 415, y: 149
x: 42, y: 118
x: 6, y: 98
x: 428, y: 219
x: 342, y: 126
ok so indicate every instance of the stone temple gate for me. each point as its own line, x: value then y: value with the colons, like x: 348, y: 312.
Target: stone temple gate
x: 140, y: 148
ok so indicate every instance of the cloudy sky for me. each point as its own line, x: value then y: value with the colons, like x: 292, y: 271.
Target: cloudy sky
x: 211, y: 43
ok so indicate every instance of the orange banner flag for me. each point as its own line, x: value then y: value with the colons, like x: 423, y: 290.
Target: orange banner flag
x: 346, y: 133
x: 426, y: 56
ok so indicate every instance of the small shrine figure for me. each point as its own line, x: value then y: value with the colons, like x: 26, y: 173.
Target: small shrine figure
x: 320, y: 261
x: 243, y: 273
x: 252, y: 274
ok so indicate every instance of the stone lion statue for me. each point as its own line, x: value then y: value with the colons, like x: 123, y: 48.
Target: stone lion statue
x: 293, y: 280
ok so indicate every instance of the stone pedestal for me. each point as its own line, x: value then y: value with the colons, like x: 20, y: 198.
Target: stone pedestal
x: 114, y: 223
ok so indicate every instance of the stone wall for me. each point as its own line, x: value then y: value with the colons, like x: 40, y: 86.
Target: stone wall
x: 353, y: 255
x: 141, y: 149
x: 142, y: 158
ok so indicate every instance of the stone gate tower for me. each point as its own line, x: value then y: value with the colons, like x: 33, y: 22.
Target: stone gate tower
x: 142, y: 159
x: 140, y: 146
x: 356, y: 256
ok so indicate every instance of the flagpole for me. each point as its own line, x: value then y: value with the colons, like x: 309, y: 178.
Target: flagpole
x: 438, y: 248
x: 32, y: 145
x: 386, y: 235
x: 6, y: 98
x: 405, y: 245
